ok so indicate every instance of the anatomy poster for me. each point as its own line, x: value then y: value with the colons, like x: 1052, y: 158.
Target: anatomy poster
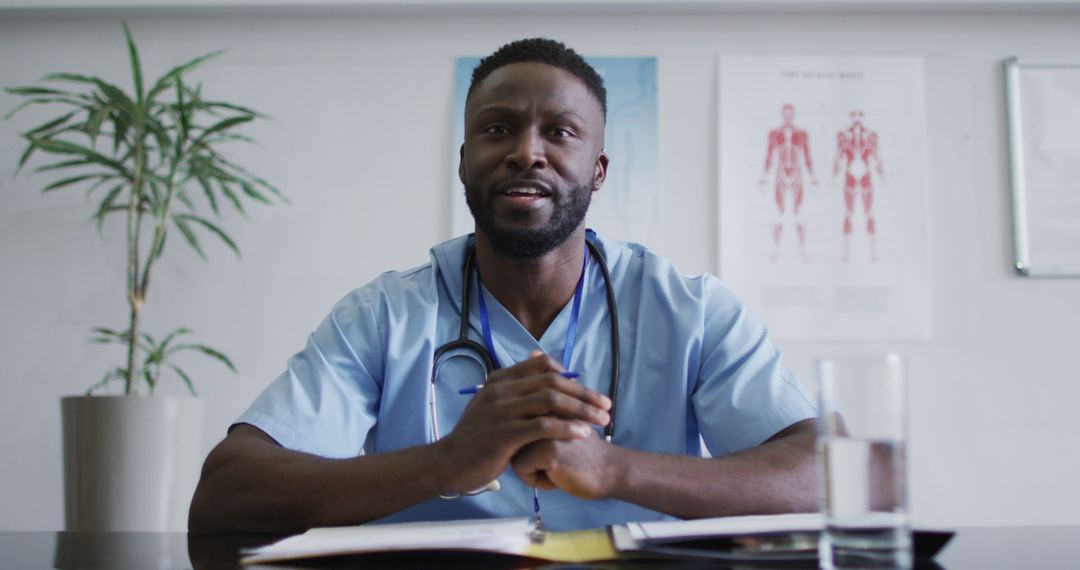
x: 823, y: 193
x: 628, y: 205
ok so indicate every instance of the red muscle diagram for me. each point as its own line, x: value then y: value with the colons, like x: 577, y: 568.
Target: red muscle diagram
x: 857, y: 157
x: 789, y: 148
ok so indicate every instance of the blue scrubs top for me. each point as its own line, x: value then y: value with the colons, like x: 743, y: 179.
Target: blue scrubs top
x: 693, y: 362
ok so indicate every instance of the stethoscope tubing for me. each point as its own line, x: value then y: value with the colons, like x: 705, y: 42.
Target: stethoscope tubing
x: 464, y: 343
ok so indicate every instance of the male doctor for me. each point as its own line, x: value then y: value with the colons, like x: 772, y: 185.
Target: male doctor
x: 346, y: 434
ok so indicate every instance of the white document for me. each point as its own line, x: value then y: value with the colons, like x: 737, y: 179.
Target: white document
x: 768, y: 538
x: 725, y: 527
x: 509, y: 536
x: 823, y: 193
x: 501, y: 536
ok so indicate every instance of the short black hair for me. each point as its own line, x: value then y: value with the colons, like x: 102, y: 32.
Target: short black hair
x: 547, y: 51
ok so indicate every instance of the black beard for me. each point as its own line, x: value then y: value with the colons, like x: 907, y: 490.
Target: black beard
x: 530, y: 243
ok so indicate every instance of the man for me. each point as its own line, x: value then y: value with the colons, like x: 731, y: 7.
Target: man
x: 345, y: 435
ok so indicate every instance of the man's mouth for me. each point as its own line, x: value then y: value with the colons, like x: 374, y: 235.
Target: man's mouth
x: 523, y: 192
x: 526, y: 191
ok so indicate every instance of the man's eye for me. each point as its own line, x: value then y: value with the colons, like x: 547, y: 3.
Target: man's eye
x: 497, y: 130
x: 561, y: 132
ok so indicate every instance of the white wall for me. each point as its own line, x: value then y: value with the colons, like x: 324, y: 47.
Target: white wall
x: 359, y: 142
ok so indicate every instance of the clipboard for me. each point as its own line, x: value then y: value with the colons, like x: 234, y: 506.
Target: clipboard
x: 776, y: 540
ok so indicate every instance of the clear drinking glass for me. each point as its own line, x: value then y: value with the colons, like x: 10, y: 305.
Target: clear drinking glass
x: 862, y: 443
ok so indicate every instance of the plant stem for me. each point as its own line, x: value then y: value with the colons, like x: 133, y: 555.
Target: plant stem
x: 160, y: 222
x: 135, y: 295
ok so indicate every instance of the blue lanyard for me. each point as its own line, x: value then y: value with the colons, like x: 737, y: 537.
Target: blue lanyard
x: 571, y: 329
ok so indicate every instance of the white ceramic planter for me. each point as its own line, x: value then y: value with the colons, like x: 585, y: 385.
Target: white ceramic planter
x: 131, y: 463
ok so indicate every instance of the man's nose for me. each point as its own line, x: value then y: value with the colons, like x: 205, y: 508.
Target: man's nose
x: 529, y: 151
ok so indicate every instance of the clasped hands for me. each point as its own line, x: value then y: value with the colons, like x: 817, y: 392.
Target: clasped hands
x: 530, y: 417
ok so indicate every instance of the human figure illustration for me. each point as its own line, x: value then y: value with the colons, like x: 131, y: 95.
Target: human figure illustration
x: 790, y: 147
x: 857, y: 156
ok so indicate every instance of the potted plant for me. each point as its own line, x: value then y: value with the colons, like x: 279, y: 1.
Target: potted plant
x: 153, y: 157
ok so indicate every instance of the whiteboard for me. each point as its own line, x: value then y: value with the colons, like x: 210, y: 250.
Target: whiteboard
x: 1044, y: 156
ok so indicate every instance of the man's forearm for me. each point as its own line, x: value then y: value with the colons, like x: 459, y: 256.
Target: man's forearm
x: 257, y: 486
x: 777, y: 477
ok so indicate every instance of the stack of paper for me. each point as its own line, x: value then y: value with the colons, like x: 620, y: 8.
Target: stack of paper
x: 725, y: 527
x: 506, y: 536
x: 750, y: 538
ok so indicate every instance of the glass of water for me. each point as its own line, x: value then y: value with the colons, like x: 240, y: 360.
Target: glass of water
x: 862, y: 443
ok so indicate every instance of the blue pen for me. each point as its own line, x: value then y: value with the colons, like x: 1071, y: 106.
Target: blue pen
x: 478, y: 387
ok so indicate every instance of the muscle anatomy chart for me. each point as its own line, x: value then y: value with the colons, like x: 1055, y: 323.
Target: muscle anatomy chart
x: 788, y: 154
x: 833, y: 252
x: 857, y: 160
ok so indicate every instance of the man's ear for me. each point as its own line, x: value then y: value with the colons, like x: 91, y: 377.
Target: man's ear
x: 461, y: 163
x: 600, y: 171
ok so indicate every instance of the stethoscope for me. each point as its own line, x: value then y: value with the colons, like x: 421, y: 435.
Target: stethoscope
x: 464, y: 344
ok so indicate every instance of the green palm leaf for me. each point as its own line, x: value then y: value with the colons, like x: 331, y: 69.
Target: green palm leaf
x: 40, y: 129
x: 42, y: 101
x: 53, y: 146
x: 136, y: 68
x: 121, y: 125
x: 74, y: 180
x: 212, y: 228
x: 182, y: 196
x: 261, y: 182
x: 224, y: 125
x: 161, y: 245
x: 33, y: 91
x: 147, y: 342
x: 209, y: 193
x: 113, y: 374
x: 232, y: 107
x: 230, y: 195
x: 215, y: 354
x: 25, y: 156
x: 113, y: 94
x: 150, y: 380
x: 93, y: 124
x: 169, y: 337
x: 189, y: 235
x: 63, y: 164
x: 107, y: 205
x: 177, y: 72
x: 187, y: 379
x: 253, y: 192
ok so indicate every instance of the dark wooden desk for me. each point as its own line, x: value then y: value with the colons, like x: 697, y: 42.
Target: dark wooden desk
x: 1041, y: 547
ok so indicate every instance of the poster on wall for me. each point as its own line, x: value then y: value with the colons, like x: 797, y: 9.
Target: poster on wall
x: 823, y: 195
x: 628, y: 207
